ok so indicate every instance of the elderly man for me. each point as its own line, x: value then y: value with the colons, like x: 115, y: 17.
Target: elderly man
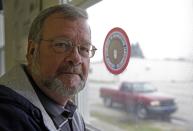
x: 37, y: 96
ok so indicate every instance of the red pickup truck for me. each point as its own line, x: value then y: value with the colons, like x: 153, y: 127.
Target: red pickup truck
x: 140, y: 98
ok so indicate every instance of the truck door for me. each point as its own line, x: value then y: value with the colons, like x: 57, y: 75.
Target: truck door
x: 129, y: 99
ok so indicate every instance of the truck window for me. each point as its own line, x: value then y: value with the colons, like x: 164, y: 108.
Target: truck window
x: 143, y: 87
x: 126, y: 87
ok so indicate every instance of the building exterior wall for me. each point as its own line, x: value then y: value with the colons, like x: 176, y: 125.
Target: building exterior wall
x: 18, y: 16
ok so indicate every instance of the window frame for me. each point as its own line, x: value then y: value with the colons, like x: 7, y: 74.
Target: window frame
x: 2, y: 60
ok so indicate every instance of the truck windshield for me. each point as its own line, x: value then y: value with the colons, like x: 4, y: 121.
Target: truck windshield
x: 144, y: 87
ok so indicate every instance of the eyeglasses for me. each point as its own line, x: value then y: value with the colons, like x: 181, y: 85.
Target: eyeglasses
x: 65, y: 46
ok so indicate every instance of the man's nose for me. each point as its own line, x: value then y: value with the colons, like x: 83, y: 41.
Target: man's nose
x: 74, y: 56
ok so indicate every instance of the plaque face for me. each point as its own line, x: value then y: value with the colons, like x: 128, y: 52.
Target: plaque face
x: 116, y: 50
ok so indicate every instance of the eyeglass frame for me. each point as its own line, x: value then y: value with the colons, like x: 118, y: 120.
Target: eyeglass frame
x: 91, y: 51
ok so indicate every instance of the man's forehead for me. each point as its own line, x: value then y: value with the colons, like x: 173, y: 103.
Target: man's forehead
x: 56, y: 25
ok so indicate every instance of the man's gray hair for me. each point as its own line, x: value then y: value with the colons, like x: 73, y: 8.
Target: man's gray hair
x: 69, y: 12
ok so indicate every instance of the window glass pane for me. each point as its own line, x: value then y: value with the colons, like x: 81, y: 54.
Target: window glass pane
x: 2, y: 69
x: 160, y: 69
x: 1, y: 30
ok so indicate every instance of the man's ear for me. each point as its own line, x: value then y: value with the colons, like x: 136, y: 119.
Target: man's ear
x: 30, y: 50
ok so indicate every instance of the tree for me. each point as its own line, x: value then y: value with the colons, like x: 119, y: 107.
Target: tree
x: 136, y: 50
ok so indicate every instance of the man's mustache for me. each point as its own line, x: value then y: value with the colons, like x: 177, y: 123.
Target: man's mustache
x: 68, y: 69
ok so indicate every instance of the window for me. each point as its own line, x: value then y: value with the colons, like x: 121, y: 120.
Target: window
x: 162, y: 31
x: 1, y: 61
x: 126, y: 87
x: 2, y: 69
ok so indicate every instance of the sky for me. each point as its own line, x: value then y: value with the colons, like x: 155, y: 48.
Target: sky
x: 163, y: 28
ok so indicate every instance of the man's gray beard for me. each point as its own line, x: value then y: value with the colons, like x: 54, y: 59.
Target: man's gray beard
x: 57, y: 86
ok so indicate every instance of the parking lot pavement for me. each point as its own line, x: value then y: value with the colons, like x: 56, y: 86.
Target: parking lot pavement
x: 120, y: 116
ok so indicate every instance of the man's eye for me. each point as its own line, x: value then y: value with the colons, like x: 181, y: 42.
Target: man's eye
x: 84, y: 48
x: 61, y: 45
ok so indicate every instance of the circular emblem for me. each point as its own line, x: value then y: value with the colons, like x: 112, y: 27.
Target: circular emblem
x: 116, y: 50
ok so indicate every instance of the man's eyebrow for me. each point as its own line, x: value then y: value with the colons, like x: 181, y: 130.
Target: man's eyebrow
x: 87, y: 42
x: 62, y: 37
x: 65, y: 37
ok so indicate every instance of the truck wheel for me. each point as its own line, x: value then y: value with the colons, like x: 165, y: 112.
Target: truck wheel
x: 141, y: 112
x: 107, y: 102
x: 129, y: 108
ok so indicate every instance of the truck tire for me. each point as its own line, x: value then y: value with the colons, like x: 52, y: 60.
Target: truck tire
x: 107, y: 102
x: 141, y: 112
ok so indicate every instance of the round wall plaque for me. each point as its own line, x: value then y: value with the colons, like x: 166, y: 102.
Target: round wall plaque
x: 116, y: 50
